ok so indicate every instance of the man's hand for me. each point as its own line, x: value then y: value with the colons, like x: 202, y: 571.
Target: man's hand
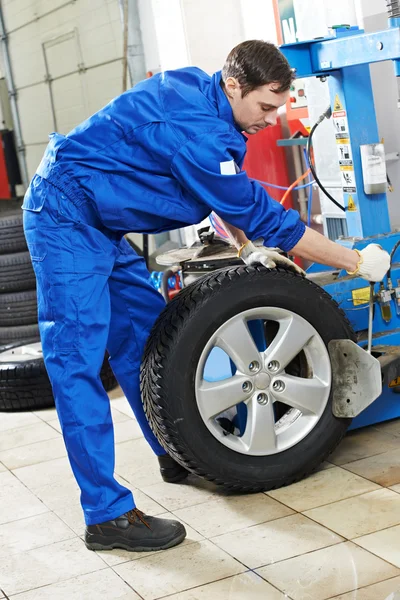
x: 374, y: 263
x: 269, y: 258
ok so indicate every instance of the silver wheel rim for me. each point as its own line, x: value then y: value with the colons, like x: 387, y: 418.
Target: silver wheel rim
x: 22, y: 353
x: 261, y: 381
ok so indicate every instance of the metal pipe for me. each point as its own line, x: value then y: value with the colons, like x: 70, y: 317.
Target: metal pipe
x: 135, y: 51
x: 49, y: 80
x: 125, y: 23
x: 299, y: 170
x: 13, y: 101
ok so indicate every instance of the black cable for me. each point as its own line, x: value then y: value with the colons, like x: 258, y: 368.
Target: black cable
x: 389, y: 273
x: 325, y: 115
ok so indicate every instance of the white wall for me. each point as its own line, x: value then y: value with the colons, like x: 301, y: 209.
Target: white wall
x: 86, y: 34
x: 213, y: 28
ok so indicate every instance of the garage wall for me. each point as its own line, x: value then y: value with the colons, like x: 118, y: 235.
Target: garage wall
x: 81, y: 41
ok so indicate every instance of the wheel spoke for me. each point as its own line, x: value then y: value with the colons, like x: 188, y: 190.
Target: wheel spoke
x: 215, y: 397
x: 307, y: 395
x: 259, y: 436
x: 236, y: 340
x: 294, y: 333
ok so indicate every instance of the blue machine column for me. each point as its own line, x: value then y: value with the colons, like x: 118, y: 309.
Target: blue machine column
x: 353, y: 110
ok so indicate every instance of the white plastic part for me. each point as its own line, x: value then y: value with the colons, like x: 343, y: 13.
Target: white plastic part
x: 374, y: 168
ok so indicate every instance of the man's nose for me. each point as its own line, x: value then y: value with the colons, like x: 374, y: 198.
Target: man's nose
x: 271, y: 118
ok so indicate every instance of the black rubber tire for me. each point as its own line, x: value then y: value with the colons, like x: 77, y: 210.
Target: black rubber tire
x: 9, y: 335
x: 172, y: 355
x: 19, y: 308
x: 12, y: 238
x: 26, y: 385
x: 16, y: 272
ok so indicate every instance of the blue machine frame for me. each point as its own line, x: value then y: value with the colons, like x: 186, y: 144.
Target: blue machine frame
x: 345, y: 58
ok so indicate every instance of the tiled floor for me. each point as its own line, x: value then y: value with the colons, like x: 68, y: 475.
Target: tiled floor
x: 333, y: 535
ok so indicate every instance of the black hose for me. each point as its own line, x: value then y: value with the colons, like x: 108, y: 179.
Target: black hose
x: 393, y: 8
x: 325, y: 115
x: 389, y: 273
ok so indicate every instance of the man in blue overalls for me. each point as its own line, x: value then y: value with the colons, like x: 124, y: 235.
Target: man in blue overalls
x: 161, y: 156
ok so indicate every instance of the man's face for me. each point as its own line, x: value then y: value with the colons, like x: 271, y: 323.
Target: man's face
x: 258, y: 109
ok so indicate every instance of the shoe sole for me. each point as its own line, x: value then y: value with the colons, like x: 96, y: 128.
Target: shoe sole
x: 176, y: 479
x: 123, y: 546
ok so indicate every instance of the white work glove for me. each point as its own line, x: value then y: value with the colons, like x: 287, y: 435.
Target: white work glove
x: 374, y: 263
x: 252, y: 254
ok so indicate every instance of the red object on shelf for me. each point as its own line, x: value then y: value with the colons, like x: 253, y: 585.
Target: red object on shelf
x: 266, y: 161
x: 4, y: 183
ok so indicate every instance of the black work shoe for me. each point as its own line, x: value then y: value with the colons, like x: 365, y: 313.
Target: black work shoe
x: 136, y: 532
x: 171, y: 471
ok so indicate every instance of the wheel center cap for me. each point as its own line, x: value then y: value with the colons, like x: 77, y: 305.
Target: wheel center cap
x: 262, y: 381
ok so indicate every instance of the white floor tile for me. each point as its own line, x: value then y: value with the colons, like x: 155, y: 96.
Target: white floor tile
x: 38, y: 475
x: 22, y: 436
x: 223, y: 515
x: 33, y: 454
x: 385, y: 590
x: 276, y: 541
x: 178, y: 569
x: 17, y: 502
x: 385, y: 544
x: 47, y: 414
x: 33, y: 532
x: 49, y: 564
x: 121, y: 403
x: 180, y: 495
x: 247, y: 586
x: 58, y: 493
x: 360, y: 515
x: 102, y: 584
x: 322, y: 488
x: 127, y: 430
x: 18, y: 419
x: 327, y: 573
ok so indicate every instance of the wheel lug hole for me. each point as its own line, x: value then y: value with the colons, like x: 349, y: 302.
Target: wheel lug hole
x: 254, y: 366
x: 278, y: 386
x: 273, y: 366
x: 247, y: 386
x: 262, y: 399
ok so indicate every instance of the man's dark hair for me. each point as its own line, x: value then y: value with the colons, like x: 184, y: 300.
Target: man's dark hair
x: 256, y: 63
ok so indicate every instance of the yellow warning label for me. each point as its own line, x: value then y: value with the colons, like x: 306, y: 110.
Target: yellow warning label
x: 337, y: 104
x: 346, y: 168
x: 394, y: 382
x: 342, y: 141
x: 307, y: 128
x: 360, y: 296
x: 351, y: 206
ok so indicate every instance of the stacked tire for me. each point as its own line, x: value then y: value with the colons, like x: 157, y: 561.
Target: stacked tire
x: 18, y: 307
x: 24, y: 383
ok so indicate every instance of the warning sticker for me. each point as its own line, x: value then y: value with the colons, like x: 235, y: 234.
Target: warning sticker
x: 344, y: 151
x: 340, y: 123
x: 337, y: 105
x: 360, y: 296
x: 348, y: 182
x: 351, y: 206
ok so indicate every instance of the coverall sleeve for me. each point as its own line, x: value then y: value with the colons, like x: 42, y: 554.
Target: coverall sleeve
x: 206, y: 166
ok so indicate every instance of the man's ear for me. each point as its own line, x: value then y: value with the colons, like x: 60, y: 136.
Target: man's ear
x: 231, y: 86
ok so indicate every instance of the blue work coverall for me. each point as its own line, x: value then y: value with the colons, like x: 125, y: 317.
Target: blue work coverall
x: 161, y: 156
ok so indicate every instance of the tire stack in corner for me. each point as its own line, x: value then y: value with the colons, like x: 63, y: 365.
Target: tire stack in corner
x: 24, y: 383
